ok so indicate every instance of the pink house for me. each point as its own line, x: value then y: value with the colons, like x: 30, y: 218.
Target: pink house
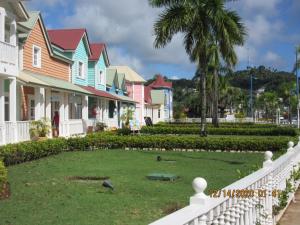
x: 135, y: 89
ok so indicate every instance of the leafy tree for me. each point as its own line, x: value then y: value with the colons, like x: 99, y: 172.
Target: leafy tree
x: 204, y: 23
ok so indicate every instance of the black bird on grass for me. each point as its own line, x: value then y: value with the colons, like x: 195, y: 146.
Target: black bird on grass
x: 108, y: 184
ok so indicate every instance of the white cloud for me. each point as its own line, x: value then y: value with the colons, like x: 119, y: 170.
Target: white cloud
x: 130, y: 30
x: 118, y: 57
x: 175, y: 78
x: 272, y: 57
x: 260, y: 29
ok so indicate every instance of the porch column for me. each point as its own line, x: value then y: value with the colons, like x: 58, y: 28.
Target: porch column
x: 39, y: 98
x: 48, y: 106
x: 2, y: 112
x: 13, y: 108
x: 85, y: 110
x: 62, y: 124
x: 98, y: 115
x: 66, y: 113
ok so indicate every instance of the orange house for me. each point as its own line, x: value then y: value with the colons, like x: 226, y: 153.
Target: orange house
x: 38, y: 57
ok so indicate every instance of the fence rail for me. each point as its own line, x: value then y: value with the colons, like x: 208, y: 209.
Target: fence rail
x: 257, y: 208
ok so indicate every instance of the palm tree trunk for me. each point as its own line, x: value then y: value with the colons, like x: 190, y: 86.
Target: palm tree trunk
x: 215, y: 119
x: 203, y: 103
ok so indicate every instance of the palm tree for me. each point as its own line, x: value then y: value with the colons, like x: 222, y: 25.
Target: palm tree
x: 203, y: 23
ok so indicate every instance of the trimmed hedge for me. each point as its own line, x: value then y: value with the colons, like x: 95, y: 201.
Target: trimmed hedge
x: 28, y: 151
x: 180, y: 142
x: 228, y: 125
x: 3, y: 175
x: 279, y: 131
x: 18, y: 153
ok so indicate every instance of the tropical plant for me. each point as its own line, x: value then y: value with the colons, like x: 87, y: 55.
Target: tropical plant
x: 40, y: 128
x: 127, y: 116
x: 204, y: 23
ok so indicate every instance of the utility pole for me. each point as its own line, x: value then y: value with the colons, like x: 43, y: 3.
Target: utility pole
x: 251, y: 86
x: 297, y: 89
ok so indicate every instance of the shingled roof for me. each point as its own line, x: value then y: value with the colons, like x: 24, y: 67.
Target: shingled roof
x: 160, y: 82
x: 67, y: 39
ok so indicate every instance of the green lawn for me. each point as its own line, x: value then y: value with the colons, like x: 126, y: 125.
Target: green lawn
x: 42, y: 195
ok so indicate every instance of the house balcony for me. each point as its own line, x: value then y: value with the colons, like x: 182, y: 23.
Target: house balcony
x: 8, y: 59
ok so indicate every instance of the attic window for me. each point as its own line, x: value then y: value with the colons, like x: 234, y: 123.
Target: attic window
x: 36, y: 56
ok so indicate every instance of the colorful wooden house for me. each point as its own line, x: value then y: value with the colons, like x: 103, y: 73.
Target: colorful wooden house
x: 11, y: 12
x: 159, y: 100
x: 46, y: 89
x: 135, y: 89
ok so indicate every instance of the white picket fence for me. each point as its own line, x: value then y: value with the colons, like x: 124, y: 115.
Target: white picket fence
x: 224, y: 210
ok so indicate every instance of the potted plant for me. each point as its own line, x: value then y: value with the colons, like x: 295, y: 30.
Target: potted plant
x: 40, y: 129
x: 100, y: 127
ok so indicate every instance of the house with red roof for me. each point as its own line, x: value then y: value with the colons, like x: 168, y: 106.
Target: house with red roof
x: 158, y: 96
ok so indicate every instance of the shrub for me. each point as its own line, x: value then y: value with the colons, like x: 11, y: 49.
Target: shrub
x: 124, y: 131
x: 27, y: 151
x: 23, y: 152
x: 3, y: 175
x: 279, y: 131
x: 181, y: 142
x: 228, y: 125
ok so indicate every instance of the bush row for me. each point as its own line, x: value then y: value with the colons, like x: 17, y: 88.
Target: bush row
x: 3, y: 176
x: 279, y: 131
x: 22, y: 152
x: 228, y: 125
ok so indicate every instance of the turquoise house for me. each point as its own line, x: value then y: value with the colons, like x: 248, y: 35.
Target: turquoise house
x: 74, y: 44
x: 97, y: 66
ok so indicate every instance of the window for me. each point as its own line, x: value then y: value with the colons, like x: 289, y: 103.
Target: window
x: 92, y: 106
x: 31, y: 107
x: 100, y: 77
x: 6, y: 109
x: 36, y: 56
x: 81, y: 69
x: 159, y: 114
x: 111, y: 110
x: 75, y: 106
x: 7, y: 30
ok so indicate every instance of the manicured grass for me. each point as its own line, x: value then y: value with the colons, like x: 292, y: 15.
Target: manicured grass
x: 42, y: 195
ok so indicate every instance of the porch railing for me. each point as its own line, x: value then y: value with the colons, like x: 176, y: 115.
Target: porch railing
x: 260, y: 190
x: 76, y: 127
x: 10, y: 132
x: 23, y: 130
x: 8, y: 58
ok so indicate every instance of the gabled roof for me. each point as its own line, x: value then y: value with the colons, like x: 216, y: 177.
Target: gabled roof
x: 68, y: 39
x: 34, y: 17
x: 18, y: 9
x: 147, y: 94
x: 130, y: 74
x: 30, y: 23
x: 121, y: 81
x: 97, y: 49
x: 110, y: 77
x: 160, y: 82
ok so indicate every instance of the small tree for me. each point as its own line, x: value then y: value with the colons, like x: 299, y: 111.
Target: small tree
x: 127, y: 116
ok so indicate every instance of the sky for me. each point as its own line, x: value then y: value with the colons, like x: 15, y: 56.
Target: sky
x: 126, y: 26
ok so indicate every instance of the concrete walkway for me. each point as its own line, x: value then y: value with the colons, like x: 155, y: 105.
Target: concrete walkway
x: 292, y: 214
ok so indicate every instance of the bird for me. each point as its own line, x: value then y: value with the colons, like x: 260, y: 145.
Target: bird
x: 108, y: 184
x: 159, y: 158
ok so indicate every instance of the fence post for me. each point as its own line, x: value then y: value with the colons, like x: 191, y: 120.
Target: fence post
x: 269, y: 186
x: 199, y: 185
x: 290, y: 146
